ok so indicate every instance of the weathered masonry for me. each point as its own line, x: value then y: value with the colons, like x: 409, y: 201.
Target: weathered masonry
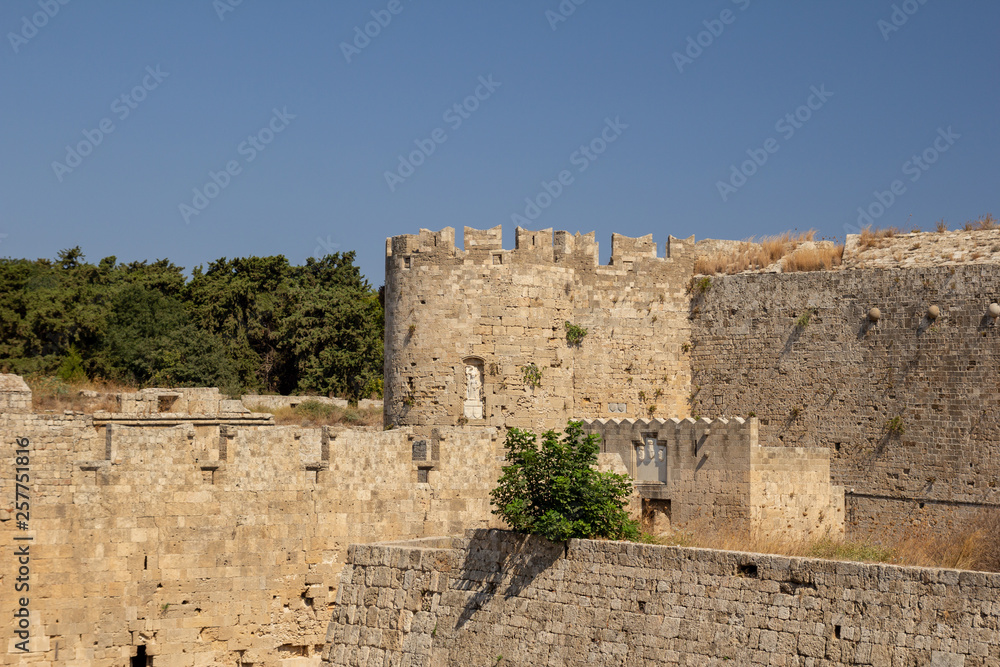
x: 205, y: 538
x: 691, y: 472
x: 908, y: 405
x: 907, y: 402
x: 478, y: 335
x: 494, y: 598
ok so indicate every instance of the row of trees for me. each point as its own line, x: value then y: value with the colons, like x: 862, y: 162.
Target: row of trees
x: 244, y: 324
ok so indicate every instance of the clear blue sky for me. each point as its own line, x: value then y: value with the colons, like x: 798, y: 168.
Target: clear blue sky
x: 320, y: 183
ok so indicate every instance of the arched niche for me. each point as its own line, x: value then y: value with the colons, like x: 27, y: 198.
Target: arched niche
x: 473, y: 388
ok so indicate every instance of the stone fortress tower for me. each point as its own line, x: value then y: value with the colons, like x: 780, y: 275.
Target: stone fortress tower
x: 906, y: 404
x: 477, y: 335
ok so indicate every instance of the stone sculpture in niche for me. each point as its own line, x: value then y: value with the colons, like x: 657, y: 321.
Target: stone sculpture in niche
x: 473, y: 389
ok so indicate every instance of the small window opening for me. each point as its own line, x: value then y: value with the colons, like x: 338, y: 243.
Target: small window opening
x: 748, y: 570
x: 165, y: 403
x: 419, y: 450
x: 423, y: 475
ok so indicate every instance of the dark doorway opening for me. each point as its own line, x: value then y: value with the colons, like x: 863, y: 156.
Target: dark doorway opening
x: 140, y: 659
x: 656, y: 516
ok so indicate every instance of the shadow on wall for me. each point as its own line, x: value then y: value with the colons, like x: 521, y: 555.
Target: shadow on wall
x: 494, y: 558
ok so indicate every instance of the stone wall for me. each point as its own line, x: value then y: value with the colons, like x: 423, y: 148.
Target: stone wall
x: 495, y: 598
x: 923, y: 249
x: 15, y: 396
x: 274, y: 402
x: 909, y: 407
x: 463, y: 328
x: 715, y: 472
x: 213, y: 545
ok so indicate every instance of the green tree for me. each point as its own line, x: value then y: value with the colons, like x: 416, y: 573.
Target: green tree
x: 71, y: 368
x: 238, y: 300
x: 243, y: 324
x: 331, y: 329
x: 556, y: 492
x: 151, y: 340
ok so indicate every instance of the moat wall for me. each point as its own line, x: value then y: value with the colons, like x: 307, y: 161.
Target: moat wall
x: 836, y: 380
x: 497, y: 598
x: 215, y: 545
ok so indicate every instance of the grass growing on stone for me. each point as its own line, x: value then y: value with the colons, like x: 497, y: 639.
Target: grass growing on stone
x: 314, y: 413
x: 50, y: 393
x: 752, y: 255
x: 976, y: 547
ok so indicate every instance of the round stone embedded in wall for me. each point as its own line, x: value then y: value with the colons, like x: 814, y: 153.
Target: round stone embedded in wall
x: 933, y: 312
x: 995, y: 310
x: 874, y: 314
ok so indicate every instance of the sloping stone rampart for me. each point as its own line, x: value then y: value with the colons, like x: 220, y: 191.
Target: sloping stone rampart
x: 496, y: 598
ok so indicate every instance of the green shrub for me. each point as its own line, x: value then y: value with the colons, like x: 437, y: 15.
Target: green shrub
x: 554, y: 491
x: 574, y: 333
x: 71, y: 368
x: 532, y: 375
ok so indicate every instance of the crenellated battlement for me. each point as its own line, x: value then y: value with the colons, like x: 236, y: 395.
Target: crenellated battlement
x: 677, y: 422
x: 543, y: 246
x: 715, y: 470
x: 686, y: 441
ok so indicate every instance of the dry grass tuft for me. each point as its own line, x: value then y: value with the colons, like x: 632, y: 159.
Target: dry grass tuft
x: 975, y: 548
x: 314, y: 413
x: 49, y: 393
x: 941, y: 225
x: 986, y: 222
x: 751, y: 255
x: 876, y: 238
x: 814, y: 259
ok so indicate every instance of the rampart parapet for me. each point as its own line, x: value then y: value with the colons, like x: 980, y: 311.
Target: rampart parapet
x: 714, y: 470
x: 543, y: 246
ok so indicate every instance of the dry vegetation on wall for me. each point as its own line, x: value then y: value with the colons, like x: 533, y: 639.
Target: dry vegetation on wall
x: 51, y: 394
x: 985, y: 222
x: 314, y: 413
x: 878, y: 238
x: 976, y: 548
x: 751, y: 255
